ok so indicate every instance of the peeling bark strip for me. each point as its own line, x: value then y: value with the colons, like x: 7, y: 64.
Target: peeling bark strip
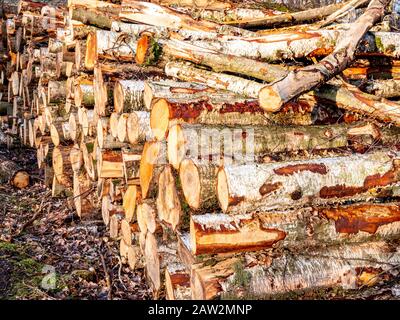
x: 292, y: 169
x: 347, y: 178
x: 301, y: 228
x: 299, y: 44
x: 155, y: 15
x: 285, y: 18
x: 217, y: 233
x: 273, y: 96
x: 364, y: 217
x: 342, y: 266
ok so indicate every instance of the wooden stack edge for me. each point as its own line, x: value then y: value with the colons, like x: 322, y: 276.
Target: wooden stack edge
x: 111, y: 117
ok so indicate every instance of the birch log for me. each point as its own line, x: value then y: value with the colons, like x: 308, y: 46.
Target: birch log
x: 240, y: 143
x: 274, y: 186
x: 284, y: 18
x: 93, y: 12
x: 300, y: 44
x: 108, y: 45
x: 295, y: 229
x: 345, y: 265
x: 153, y: 14
x: 128, y: 95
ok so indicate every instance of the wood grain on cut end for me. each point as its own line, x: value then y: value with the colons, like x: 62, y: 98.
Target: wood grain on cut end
x: 121, y: 127
x: 118, y: 97
x: 190, y: 181
x: 129, y: 202
x: 141, y: 50
x: 159, y: 119
x: 132, y: 128
x: 20, y: 180
x: 114, y: 119
x: 168, y: 203
x: 152, y: 261
x: 269, y: 99
x: 91, y: 51
x: 176, y: 146
x: 150, y: 153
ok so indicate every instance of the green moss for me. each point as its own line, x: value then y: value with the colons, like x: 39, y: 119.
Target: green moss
x: 6, y: 246
x: 155, y: 52
x: 242, y: 277
x: 270, y: 5
x: 90, y: 147
x: 379, y: 45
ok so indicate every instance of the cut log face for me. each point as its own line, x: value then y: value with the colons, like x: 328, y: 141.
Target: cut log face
x: 129, y: 202
x: 126, y: 232
x: 83, y: 196
x: 133, y: 257
x: 149, y: 169
x: 152, y: 261
x: 76, y: 158
x: 105, y: 208
x: 11, y: 173
x: 123, y: 249
x: 317, y: 182
x: 122, y: 127
x: 138, y: 127
x: 168, y: 202
x: 198, y: 182
x: 62, y: 165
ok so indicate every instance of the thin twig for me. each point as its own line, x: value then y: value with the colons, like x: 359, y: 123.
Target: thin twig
x: 107, y: 276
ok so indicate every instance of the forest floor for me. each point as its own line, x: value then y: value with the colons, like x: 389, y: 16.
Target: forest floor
x: 46, y: 252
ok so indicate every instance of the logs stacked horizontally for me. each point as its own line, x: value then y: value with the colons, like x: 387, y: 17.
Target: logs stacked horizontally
x: 230, y: 151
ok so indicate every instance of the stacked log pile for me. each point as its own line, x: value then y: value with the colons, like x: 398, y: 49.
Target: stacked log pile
x: 230, y: 151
